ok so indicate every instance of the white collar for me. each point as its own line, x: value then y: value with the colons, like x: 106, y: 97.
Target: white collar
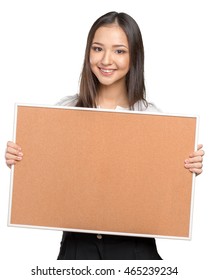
x: 116, y: 108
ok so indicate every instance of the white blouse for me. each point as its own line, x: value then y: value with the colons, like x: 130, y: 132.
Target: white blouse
x: 71, y: 101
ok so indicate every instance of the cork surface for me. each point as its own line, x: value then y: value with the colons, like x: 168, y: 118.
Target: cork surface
x: 103, y: 171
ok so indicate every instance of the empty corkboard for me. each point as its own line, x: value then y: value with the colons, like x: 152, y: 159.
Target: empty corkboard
x: 103, y: 171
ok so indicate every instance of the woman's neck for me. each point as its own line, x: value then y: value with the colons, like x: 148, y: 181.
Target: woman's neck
x: 111, y: 97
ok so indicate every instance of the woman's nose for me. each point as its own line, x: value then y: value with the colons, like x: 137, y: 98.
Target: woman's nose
x: 107, y: 58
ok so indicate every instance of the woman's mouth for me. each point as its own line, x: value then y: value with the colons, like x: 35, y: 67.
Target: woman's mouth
x: 106, y: 72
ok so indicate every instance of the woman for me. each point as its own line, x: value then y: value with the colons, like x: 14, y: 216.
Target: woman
x: 112, y: 78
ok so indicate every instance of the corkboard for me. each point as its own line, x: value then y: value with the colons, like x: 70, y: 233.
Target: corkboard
x: 103, y: 171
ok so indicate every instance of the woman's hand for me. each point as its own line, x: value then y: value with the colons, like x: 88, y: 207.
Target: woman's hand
x: 194, y: 162
x: 13, y: 154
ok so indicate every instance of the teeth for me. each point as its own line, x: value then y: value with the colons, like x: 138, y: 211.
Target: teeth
x: 107, y: 70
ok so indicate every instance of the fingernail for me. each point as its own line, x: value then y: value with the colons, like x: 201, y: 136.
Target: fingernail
x: 20, y: 154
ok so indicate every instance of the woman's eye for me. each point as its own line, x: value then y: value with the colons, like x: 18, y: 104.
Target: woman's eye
x: 97, y: 49
x: 120, y: 51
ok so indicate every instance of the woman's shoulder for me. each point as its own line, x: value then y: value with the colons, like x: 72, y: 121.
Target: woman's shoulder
x: 69, y: 100
x: 147, y: 107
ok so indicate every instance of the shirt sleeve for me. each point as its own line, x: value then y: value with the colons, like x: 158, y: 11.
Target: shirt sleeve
x: 152, y: 108
x: 140, y: 106
x: 70, y: 101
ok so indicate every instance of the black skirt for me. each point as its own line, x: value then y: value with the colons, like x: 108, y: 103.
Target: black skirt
x: 85, y: 246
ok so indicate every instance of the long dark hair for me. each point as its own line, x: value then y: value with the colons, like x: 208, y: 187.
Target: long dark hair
x: 135, y: 77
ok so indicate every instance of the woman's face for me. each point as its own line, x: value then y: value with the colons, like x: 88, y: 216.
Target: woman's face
x: 109, y: 55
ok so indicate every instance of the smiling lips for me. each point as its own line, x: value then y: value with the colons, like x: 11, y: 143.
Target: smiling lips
x: 106, y: 72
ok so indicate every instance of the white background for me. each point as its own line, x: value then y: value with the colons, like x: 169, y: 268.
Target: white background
x: 42, y: 47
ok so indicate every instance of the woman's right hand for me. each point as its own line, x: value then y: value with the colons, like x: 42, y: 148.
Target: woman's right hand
x: 13, y: 154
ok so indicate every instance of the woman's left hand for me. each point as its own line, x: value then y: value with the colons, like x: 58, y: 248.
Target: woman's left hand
x: 194, y: 162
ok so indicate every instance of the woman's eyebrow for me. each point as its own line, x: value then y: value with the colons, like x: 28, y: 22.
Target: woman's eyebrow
x: 115, y: 46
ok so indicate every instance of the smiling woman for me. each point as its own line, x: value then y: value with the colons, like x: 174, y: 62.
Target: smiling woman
x: 113, y: 71
x: 112, y: 78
